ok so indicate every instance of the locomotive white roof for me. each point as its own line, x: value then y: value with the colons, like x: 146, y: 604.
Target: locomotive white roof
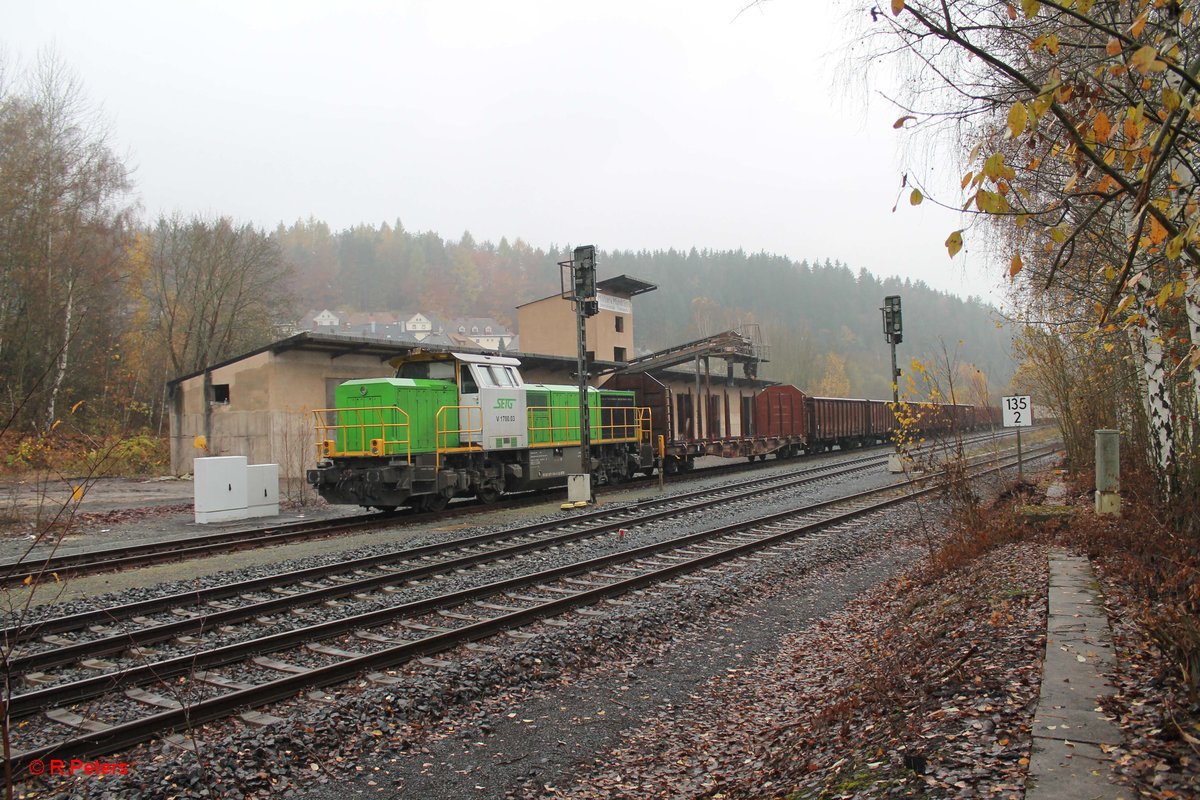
x: 475, y: 358
x: 469, y: 358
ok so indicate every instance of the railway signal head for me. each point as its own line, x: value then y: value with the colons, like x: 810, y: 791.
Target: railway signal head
x: 893, y: 324
x: 583, y: 264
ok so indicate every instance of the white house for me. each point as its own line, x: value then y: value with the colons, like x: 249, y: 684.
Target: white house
x: 326, y: 319
x: 418, y: 325
x: 483, y: 331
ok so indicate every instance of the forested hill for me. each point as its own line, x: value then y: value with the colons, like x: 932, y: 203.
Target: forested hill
x: 809, y: 312
x: 822, y: 321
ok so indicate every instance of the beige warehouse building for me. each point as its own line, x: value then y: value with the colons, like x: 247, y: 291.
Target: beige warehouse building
x: 548, y: 325
x: 260, y: 404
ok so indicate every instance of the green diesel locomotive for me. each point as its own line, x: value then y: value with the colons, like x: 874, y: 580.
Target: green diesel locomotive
x: 451, y: 424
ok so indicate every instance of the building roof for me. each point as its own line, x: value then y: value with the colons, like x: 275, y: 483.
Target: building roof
x: 482, y: 323
x: 337, y: 345
x: 367, y: 317
x: 623, y: 285
x: 626, y: 285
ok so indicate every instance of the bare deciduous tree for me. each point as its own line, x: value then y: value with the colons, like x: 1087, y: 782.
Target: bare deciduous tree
x: 212, y: 290
x: 64, y: 218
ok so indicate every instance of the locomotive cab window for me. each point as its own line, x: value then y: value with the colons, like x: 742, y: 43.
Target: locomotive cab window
x: 467, y: 384
x: 220, y: 393
x: 500, y: 376
x: 482, y: 376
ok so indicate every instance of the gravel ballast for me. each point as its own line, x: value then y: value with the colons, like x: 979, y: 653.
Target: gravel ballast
x: 531, y: 719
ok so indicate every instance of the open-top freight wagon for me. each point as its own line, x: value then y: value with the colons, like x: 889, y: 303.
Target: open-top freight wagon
x: 778, y: 420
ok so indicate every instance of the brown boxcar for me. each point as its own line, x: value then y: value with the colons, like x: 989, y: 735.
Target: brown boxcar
x: 837, y: 421
x: 939, y: 419
x: 988, y: 416
x: 882, y: 420
x: 780, y: 411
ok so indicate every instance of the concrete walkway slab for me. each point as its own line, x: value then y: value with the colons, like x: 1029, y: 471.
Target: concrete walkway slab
x: 1069, y: 728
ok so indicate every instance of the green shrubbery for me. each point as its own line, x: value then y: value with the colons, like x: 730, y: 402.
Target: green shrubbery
x: 122, y: 456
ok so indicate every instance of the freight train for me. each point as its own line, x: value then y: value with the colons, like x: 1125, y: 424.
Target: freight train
x: 458, y: 424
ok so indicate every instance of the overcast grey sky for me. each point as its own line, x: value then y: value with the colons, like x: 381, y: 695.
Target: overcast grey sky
x: 652, y: 125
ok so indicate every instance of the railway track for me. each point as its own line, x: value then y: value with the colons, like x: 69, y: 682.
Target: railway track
x: 57, y: 567
x: 204, y: 606
x: 111, y: 559
x: 333, y: 651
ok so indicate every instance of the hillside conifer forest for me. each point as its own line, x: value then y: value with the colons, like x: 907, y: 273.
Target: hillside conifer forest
x: 820, y: 318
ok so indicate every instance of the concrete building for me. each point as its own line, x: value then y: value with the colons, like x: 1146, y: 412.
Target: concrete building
x: 261, y: 404
x: 548, y: 325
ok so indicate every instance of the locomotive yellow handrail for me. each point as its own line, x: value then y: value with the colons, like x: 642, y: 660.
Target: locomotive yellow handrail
x: 377, y: 436
x: 444, y: 431
x: 645, y: 421
x: 559, y: 425
x: 625, y: 424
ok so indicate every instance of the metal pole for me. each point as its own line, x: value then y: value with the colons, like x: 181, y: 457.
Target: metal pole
x: 708, y: 420
x: 1020, y: 461
x: 662, y: 462
x: 893, y: 334
x: 585, y: 427
x: 895, y: 378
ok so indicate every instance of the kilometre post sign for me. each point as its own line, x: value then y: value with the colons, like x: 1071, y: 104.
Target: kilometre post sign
x: 1018, y: 411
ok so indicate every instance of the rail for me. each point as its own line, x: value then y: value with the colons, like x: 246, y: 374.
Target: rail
x: 366, y: 431
x: 637, y: 566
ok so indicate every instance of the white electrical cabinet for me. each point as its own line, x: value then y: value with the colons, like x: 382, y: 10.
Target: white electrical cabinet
x: 220, y: 487
x: 262, y: 490
x: 227, y: 488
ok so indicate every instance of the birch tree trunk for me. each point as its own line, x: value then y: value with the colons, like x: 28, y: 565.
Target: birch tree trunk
x: 63, y: 355
x: 1192, y: 299
x: 1152, y: 358
x: 1157, y: 392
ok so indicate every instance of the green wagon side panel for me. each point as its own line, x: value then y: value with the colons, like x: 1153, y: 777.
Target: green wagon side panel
x: 563, y: 414
x: 420, y: 399
x: 537, y: 400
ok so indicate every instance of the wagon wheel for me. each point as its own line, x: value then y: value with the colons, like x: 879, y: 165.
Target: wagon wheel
x: 488, y: 494
x: 435, y: 502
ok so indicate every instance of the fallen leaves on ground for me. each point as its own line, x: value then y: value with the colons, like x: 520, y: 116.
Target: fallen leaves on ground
x: 925, y: 687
